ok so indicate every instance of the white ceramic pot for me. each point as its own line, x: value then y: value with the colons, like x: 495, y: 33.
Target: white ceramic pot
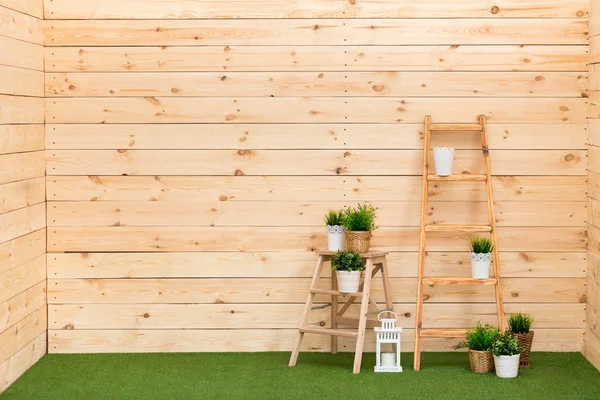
x: 507, y: 366
x: 480, y: 265
x: 444, y: 158
x: 348, y: 281
x: 336, y: 237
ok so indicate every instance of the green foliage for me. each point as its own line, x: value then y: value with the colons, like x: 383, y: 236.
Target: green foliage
x: 361, y: 218
x: 506, y: 345
x: 334, y: 217
x: 481, y: 337
x: 481, y: 245
x: 520, y: 323
x: 347, y: 261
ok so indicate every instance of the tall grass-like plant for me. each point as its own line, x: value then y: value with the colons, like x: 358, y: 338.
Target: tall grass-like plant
x: 481, y: 245
x: 347, y: 261
x: 334, y: 217
x: 361, y: 218
x: 520, y: 323
x: 481, y: 337
x: 506, y: 345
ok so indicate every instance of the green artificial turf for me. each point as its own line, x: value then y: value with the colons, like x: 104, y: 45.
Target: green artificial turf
x: 444, y: 376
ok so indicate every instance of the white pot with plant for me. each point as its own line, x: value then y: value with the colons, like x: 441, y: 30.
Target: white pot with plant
x: 507, y: 354
x: 348, y: 267
x: 444, y: 158
x: 481, y: 257
x: 336, y: 235
x: 359, y: 223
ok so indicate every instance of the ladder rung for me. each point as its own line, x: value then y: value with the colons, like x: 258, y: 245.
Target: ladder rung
x: 457, y: 228
x: 456, y: 127
x: 458, y: 280
x: 463, y: 177
x: 334, y: 292
x: 442, y: 333
x: 330, y: 332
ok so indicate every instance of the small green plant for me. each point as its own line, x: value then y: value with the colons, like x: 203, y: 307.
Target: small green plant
x: 347, y: 261
x: 520, y: 323
x: 334, y: 217
x: 481, y: 337
x: 361, y: 218
x: 506, y: 345
x: 481, y: 245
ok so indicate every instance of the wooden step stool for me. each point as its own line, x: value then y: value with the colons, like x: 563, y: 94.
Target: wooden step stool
x: 375, y: 262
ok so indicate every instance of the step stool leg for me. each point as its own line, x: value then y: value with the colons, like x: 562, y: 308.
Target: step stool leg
x: 362, y: 324
x: 334, y: 310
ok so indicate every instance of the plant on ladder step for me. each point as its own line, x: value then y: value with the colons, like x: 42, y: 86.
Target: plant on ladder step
x: 481, y: 257
x: 348, y: 267
x: 336, y: 235
x: 359, y: 223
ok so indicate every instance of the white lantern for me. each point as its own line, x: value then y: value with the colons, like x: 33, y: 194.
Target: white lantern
x: 388, y: 333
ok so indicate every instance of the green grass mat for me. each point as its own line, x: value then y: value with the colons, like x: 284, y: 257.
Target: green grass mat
x: 444, y: 376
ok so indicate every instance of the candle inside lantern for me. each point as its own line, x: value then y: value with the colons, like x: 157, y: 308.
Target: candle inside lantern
x: 388, y: 359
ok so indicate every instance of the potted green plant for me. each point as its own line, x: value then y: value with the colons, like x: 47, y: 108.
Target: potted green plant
x: 507, y: 353
x: 519, y: 325
x: 359, y: 223
x: 481, y: 257
x: 479, y: 341
x: 336, y: 238
x: 348, y: 267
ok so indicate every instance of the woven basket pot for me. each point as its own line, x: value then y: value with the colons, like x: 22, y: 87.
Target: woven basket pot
x: 525, y: 341
x: 482, y: 362
x: 358, y: 241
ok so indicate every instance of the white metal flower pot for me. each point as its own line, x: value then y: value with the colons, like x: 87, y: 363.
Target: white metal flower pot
x: 480, y: 265
x: 336, y: 237
x: 444, y: 158
x: 507, y: 366
x: 348, y: 281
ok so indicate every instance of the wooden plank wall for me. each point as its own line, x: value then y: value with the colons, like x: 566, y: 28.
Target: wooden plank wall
x: 193, y: 148
x: 23, y: 310
x: 592, y: 334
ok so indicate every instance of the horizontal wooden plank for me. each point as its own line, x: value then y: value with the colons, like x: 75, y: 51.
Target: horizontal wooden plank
x: 311, y: 110
x: 21, y: 361
x: 20, y: 166
x: 228, y: 213
x: 22, y: 249
x: 317, y: 84
x: 31, y: 7
x: 294, y: 136
x: 287, y: 316
x: 293, y: 32
x: 304, y: 162
x: 22, y: 221
x: 21, y: 110
x: 15, y: 309
x: 21, y: 82
x: 20, y: 26
x: 252, y: 340
x: 293, y: 290
x: 326, y: 188
x: 21, y: 278
x: 172, y: 9
x: 21, y: 138
x: 22, y: 333
x: 22, y: 194
x: 297, y: 264
x: 21, y: 54
x: 316, y: 58
x: 161, y: 239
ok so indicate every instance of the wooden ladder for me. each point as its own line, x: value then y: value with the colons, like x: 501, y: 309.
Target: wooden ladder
x: 425, y: 228
x: 375, y: 261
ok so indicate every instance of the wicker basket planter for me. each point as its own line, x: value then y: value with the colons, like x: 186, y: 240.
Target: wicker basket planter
x: 358, y: 241
x: 525, y: 341
x: 482, y: 362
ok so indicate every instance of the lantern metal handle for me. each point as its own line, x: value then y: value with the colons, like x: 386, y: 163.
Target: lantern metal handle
x: 385, y: 311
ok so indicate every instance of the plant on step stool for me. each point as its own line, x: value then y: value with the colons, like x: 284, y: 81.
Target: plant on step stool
x: 336, y: 237
x: 479, y: 341
x: 507, y: 353
x: 481, y: 257
x: 359, y: 223
x: 348, y: 267
x: 444, y: 158
x: 519, y: 325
